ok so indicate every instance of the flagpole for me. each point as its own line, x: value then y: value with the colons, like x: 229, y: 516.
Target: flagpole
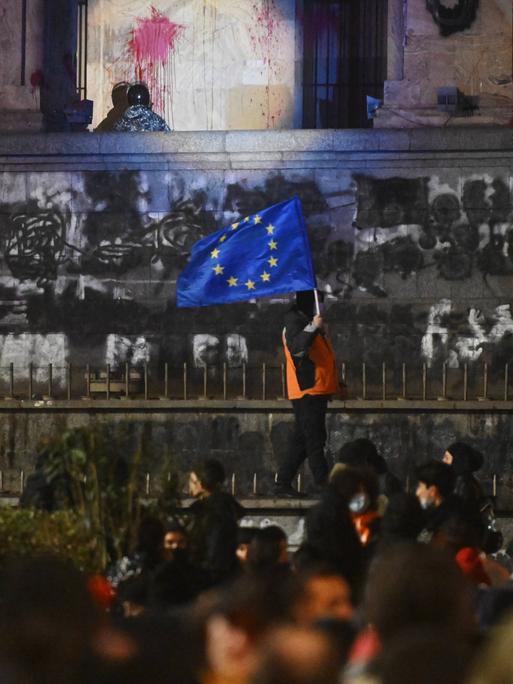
x: 316, y: 299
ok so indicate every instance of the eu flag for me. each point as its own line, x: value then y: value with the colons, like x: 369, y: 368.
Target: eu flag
x: 257, y: 256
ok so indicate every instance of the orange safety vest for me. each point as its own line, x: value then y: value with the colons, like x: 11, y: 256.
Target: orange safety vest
x: 326, y: 376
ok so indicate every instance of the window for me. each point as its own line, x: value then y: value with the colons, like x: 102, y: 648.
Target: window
x: 344, y: 60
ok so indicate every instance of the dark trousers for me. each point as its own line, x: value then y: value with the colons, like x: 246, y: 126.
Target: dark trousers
x: 308, y: 440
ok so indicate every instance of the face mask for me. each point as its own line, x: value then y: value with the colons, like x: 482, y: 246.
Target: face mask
x: 425, y: 503
x: 358, y: 503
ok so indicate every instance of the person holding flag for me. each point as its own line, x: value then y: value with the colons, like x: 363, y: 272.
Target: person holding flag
x: 312, y: 379
x: 258, y: 256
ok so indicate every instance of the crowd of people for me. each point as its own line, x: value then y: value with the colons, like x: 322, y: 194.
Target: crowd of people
x: 387, y: 587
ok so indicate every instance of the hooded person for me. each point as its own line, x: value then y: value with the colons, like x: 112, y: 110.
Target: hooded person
x: 465, y: 460
x: 312, y: 379
x: 139, y: 115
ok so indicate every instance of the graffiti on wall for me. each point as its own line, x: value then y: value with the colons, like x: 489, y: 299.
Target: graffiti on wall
x: 408, y: 225
x: 93, y: 262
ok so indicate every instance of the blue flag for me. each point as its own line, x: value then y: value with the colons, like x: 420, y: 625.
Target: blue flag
x: 257, y: 256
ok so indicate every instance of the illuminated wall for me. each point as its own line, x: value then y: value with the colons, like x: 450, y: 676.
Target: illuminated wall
x: 210, y: 64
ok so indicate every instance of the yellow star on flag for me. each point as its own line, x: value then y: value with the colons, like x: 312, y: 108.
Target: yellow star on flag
x: 214, y: 253
x: 257, y: 219
x: 235, y: 226
x: 265, y: 277
x: 270, y: 229
x: 232, y: 282
x: 273, y: 244
x: 222, y: 238
x: 250, y: 284
x: 273, y: 261
x: 245, y: 220
x: 218, y: 269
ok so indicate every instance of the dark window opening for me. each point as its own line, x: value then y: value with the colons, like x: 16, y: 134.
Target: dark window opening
x: 344, y: 60
x: 82, y: 49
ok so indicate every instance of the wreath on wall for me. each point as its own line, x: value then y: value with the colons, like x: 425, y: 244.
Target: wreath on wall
x: 453, y: 19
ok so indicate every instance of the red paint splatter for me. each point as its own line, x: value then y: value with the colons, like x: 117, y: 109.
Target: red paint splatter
x: 37, y: 79
x: 153, y: 41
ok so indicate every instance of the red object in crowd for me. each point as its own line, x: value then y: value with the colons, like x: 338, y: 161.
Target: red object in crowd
x: 470, y: 563
x: 102, y: 591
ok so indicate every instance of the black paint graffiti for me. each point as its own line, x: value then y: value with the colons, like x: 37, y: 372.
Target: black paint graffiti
x: 450, y: 228
x: 453, y: 19
x: 34, y: 246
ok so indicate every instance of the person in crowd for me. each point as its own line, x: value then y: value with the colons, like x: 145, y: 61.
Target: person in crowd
x: 214, y: 517
x: 139, y: 116
x: 465, y: 460
x: 324, y: 594
x: 362, y: 453
x: 119, y: 106
x: 312, y: 379
x: 297, y: 655
x: 245, y: 536
x: 148, y: 555
x: 175, y: 539
x: 244, y: 615
x: 268, y: 552
x: 331, y: 536
x: 132, y: 595
x: 359, y: 487
x: 402, y: 521
x: 435, y: 492
x: 413, y: 586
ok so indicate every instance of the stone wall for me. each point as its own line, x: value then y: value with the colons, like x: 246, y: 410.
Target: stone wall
x: 411, y: 233
x: 424, y: 57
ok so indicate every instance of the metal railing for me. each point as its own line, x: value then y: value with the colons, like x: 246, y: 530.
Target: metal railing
x: 264, y: 382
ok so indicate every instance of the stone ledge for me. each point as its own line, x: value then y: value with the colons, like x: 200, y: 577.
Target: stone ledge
x: 218, y: 146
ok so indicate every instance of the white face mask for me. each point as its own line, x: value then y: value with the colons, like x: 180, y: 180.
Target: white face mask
x: 359, y: 503
x: 425, y: 503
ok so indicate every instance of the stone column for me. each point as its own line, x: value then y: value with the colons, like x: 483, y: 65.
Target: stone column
x: 21, y: 30
x: 477, y: 60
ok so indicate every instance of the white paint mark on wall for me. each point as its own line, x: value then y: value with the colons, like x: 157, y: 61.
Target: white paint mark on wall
x: 120, y: 349
x: 41, y: 350
x: 437, y: 344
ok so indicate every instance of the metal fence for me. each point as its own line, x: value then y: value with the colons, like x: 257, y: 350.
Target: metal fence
x: 264, y: 382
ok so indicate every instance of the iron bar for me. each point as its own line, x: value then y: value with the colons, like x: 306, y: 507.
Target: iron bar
x: 31, y: 374
x: 465, y: 382
x: 283, y: 383
x: 146, y: 382
x: 384, y: 380
x: 254, y: 484
x: 264, y: 381
x: 11, y: 380
x: 444, y: 380
x: 107, y: 381
x: 233, y: 484
x: 404, y: 381
x: 50, y: 380
x: 22, y: 481
x: 225, y: 381
x: 364, y: 381
x: 127, y: 379
x: 68, y: 381
x: 205, y: 381
x: 485, y: 380
x: 166, y: 380
x: 244, y: 380
x: 506, y: 381
x: 88, y: 381
x: 424, y: 382
x: 185, y: 380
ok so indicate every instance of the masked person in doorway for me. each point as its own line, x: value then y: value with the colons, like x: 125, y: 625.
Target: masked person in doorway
x: 312, y: 379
